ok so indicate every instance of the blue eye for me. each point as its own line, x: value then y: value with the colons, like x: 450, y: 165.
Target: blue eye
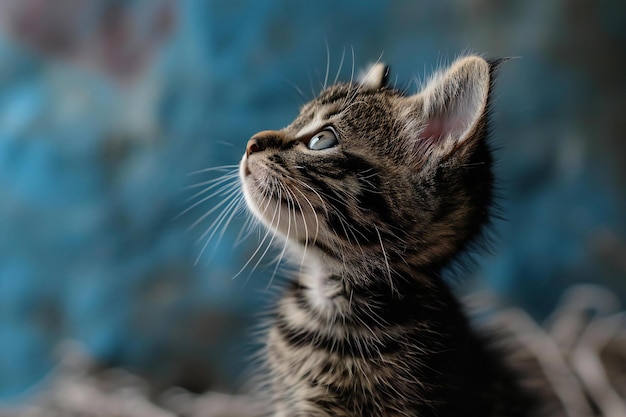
x: 323, y: 140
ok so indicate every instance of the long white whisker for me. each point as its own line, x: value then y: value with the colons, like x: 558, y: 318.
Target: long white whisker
x: 382, y: 247
x: 246, y: 229
x: 216, y: 223
x: 212, y: 210
x: 227, y: 190
x: 222, y: 190
x: 230, y: 208
x: 327, y: 65
x: 220, y: 168
x: 275, y: 232
x: 315, y: 192
x: 343, y: 55
x: 284, y: 250
x: 252, y: 222
x: 223, y: 225
x: 353, y: 64
x: 306, y: 227
x: 267, y: 232
x: 213, y: 181
x: 311, y: 84
x: 295, y: 86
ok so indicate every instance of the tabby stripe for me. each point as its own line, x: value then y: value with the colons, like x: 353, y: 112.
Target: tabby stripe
x: 370, y: 196
x: 297, y: 292
x: 333, y: 98
x: 341, y: 95
x: 288, y: 145
x: 321, y: 246
x: 340, y: 206
x: 351, y: 345
x: 278, y: 160
x: 330, y: 170
x: 369, y: 199
x: 375, y: 306
x: 326, y: 249
x: 349, y: 397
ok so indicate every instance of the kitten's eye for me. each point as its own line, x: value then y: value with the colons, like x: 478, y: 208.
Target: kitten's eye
x: 323, y: 140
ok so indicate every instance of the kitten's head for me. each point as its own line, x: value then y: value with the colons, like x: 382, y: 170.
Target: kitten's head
x: 368, y: 175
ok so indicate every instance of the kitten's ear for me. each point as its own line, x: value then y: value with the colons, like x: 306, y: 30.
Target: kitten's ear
x: 374, y: 77
x: 453, y: 103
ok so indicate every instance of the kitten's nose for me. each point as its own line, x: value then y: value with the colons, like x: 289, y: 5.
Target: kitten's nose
x: 264, y: 140
x: 253, y: 146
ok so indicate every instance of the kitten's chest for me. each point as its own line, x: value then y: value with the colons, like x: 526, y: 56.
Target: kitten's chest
x: 329, y: 355
x: 325, y: 374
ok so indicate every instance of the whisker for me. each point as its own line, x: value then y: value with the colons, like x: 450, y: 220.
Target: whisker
x: 210, y: 169
x: 247, y: 228
x: 268, y: 246
x: 267, y: 232
x: 311, y: 84
x: 224, y: 189
x: 295, y: 86
x: 353, y: 64
x: 282, y: 253
x: 343, y: 55
x: 382, y: 247
x: 211, y: 211
x: 306, y: 228
x: 212, y: 229
x: 327, y: 64
x: 216, y: 224
x: 213, y: 181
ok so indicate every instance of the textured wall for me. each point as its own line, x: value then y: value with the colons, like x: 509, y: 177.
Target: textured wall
x: 99, y: 129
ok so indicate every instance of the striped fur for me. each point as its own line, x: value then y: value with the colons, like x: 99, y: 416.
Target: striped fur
x: 369, y: 328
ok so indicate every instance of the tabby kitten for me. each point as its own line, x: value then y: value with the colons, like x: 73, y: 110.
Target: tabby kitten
x: 375, y: 192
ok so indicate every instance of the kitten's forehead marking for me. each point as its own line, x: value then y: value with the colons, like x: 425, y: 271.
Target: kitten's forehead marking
x: 313, y: 126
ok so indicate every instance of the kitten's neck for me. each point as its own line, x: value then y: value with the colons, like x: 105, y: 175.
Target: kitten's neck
x: 333, y: 288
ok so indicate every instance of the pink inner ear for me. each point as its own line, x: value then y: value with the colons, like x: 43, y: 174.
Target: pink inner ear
x: 439, y: 128
x: 433, y: 130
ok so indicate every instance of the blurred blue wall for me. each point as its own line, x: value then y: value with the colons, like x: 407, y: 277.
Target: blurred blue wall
x: 93, y: 164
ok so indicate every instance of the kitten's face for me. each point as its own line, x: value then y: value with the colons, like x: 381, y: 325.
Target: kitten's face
x: 366, y: 174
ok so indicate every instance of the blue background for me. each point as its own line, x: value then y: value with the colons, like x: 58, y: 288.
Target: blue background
x: 93, y: 167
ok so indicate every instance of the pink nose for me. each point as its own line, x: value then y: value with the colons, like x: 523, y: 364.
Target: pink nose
x: 253, y: 146
x: 263, y: 140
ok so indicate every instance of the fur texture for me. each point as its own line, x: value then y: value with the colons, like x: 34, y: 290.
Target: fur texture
x: 401, y: 186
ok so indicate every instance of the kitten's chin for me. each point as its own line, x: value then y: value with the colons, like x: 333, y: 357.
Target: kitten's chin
x: 276, y: 217
x: 285, y: 216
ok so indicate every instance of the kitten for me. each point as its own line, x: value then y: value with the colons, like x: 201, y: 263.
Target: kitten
x: 376, y: 192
